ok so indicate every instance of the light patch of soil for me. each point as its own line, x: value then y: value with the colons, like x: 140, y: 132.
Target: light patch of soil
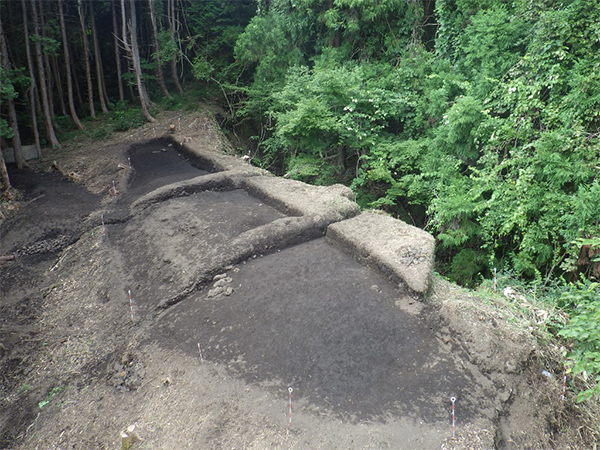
x: 203, y: 355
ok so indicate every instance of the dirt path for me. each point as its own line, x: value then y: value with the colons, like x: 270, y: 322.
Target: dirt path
x: 238, y: 293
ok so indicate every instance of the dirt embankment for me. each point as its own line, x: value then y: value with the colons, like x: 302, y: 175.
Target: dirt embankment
x: 176, y: 288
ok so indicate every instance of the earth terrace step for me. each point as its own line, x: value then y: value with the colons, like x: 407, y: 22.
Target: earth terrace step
x: 400, y: 251
x: 219, y: 181
x: 323, y: 203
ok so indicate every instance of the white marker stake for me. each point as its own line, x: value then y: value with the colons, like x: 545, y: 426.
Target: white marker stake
x: 130, y: 304
x: 290, y: 390
x: 495, y: 279
x: 103, y: 228
x: 200, y: 351
x: 453, y: 399
x: 564, y: 389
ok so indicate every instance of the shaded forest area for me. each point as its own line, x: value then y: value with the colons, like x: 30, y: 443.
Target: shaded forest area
x: 477, y: 120
x: 67, y: 61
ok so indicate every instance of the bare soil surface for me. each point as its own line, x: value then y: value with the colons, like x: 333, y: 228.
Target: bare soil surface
x: 150, y: 291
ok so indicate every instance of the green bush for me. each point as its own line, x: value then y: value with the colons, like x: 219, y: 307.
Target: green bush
x: 583, y: 304
x: 124, y: 118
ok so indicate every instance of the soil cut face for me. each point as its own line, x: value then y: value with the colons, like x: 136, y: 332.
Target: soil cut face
x: 200, y: 300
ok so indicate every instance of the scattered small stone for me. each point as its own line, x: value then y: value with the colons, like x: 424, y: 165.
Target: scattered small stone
x: 375, y: 288
x: 219, y: 276
x: 220, y: 283
x: 44, y: 246
x: 228, y: 291
x: 127, y: 358
x: 129, y: 437
x: 547, y: 374
x: 215, y: 292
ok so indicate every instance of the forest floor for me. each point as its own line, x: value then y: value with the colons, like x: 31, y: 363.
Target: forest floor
x: 126, y: 306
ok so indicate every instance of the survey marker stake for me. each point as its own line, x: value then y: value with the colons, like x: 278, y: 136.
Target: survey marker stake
x: 564, y: 388
x: 290, y: 390
x: 495, y: 279
x: 103, y: 227
x: 130, y: 305
x: 200, y: 351
x: 453, y: 399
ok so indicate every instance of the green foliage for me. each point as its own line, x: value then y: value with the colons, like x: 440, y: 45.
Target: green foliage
x: 49, y: 46
x: 7, y: 92
x: 457, y: 134
x: 124, y: 118
x: 466, y: 266
x: 168, y: 46
x: 528, y: 195
x: 311, y: 170
x: 215, y: 26
x: 491, y: 141
x: 492, y: 43
x: 584, y: 307
x: 50, y: 396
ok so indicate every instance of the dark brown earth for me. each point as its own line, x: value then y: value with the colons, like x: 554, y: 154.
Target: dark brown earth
x: 236, y: 297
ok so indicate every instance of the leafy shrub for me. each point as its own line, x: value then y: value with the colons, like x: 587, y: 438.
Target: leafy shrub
x: 583, y: 303
x: 124, y: 118
x: 311, y: 170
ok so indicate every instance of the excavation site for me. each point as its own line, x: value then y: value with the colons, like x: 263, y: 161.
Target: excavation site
x: 162, y: 292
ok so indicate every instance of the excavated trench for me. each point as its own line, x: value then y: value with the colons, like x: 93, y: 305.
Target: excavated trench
x: 216, y: 262
x: 280, y: 313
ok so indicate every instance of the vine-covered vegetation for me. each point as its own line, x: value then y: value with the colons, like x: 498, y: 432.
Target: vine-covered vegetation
x: 485, y: 134
x: 478, y: 120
